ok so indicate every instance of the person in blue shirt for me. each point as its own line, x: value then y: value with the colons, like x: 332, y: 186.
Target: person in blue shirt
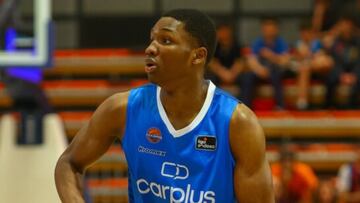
x: 310, y: 61
x: 184, y: 139
x: 268, y: 60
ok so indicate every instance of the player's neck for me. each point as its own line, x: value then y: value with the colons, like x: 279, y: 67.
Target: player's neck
x: 188, y: 96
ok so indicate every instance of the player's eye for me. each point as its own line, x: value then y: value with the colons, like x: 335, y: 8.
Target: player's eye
x: 166, y: 40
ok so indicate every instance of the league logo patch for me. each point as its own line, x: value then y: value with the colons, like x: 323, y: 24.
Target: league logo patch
x: 204, y: 142
x: 153, y: 135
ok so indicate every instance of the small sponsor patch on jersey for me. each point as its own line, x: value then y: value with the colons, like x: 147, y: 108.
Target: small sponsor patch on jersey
x: 151, y: 151
x: 205, y: 142
x: 153, y: 135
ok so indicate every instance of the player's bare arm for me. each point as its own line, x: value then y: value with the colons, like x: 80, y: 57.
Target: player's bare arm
x: 92, y: 141
x: 252, y: 176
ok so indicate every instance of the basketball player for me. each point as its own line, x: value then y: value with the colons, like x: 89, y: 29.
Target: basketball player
x: 184, y: 139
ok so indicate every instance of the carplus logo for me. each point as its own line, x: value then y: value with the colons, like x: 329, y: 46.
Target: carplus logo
x: 153, y: 135
x: 175, y: 171
x: 172, y: 193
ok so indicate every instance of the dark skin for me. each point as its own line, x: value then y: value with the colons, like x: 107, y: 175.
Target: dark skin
x: 177, y: 65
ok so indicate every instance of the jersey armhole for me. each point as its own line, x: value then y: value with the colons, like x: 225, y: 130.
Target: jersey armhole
x: 127, y: 120
x: 131, y: 102
x: 228, y: 132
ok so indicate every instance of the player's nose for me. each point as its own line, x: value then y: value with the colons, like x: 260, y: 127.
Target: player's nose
x: 151, y: 50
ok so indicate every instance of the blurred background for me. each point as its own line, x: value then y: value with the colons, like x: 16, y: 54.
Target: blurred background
x: 295, y: 63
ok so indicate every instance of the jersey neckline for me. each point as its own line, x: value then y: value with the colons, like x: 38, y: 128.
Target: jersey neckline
x: 198, y: 118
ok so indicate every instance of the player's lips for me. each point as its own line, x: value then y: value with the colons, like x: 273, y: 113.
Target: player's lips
x: 150, y: 64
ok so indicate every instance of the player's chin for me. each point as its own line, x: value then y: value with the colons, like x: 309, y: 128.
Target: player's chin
x: 153, y: 79
x: 159, y: 81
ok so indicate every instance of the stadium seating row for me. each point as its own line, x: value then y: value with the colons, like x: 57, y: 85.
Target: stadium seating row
x: 291, y: 124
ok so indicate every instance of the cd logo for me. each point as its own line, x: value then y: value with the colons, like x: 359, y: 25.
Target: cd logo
x: 153, y: 135
x: 175, y: 171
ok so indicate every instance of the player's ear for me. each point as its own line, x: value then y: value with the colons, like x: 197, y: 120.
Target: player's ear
x: 199, y: 56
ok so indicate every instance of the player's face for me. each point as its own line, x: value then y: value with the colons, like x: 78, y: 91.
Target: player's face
x: 168, y: 56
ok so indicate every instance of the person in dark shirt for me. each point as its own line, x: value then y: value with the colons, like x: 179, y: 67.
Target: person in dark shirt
x: 227, y: 63
x: 345, y: 51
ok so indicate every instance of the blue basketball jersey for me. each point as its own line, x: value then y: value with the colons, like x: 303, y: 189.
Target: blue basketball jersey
x: 192, y: 164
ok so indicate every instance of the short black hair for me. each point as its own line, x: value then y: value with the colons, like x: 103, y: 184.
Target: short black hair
x: 269, y: 19
x: 224, y: 24
x: 198, y: 25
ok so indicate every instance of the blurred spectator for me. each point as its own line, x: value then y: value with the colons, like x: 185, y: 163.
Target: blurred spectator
x: 345, y: 51
x: 268, y: 60
x: 227, y: 64
x: 310, y: 58
x: 326, y: 192
x: 294, y: 182
x: 327, y: 12
x: 348, y: 183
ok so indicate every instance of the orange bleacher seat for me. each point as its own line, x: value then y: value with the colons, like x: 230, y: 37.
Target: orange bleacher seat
x: 94, y: 52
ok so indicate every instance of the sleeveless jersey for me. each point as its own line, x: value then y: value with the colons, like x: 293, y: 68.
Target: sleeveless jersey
x: 192, y: 164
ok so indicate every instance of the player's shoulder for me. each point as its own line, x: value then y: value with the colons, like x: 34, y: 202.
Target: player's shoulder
x: 112, y: 111
x: 243, y: 115
x: 225, y: 95
x: 142, y: 94
x: 117, y: 101
x: 144, y: 87
x: 121, y: 99
x: 241, y: 112
x: 143, y: 90
x: 227, y: 102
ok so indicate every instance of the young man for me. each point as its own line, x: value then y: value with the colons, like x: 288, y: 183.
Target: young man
x: 268, y: 61
x: 227, y: 63
x: 345, y: 51
x: 184, y: 140
x: 310, y: 60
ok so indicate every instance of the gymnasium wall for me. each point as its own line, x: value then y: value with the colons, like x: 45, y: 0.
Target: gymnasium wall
x: 126, y: 23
